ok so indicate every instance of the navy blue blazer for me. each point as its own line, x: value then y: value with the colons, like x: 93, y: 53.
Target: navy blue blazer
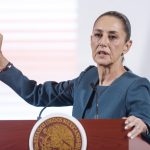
x: 127, y: 95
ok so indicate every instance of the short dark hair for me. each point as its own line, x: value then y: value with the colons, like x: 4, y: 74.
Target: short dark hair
x: 122, y: 17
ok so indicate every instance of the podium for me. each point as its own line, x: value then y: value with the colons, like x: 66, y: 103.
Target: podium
x: 102, y: 134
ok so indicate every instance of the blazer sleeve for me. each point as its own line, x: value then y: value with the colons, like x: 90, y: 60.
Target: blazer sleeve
x: 49, y: 93
x: 138, y: 99
x: 138, y: 102
x: 39, y: 94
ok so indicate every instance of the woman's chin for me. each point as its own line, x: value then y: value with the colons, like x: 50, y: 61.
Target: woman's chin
x: 103, y: 63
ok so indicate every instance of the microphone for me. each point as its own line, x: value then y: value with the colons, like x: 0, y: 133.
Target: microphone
x: 95, y: 94
x: 56, y: 97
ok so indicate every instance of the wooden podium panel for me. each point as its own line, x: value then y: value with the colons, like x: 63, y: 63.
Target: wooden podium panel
x: 102, y: 134
x: 105, y: 134
x: 109, y: 134
x: 14, y: 134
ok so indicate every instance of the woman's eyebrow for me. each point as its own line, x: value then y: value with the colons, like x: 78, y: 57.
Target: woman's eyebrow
x: 113, y: 32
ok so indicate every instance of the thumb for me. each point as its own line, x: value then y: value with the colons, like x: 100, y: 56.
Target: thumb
x: 1, y: 40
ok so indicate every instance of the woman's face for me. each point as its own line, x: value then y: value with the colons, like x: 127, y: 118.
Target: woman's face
x: 108, y: 41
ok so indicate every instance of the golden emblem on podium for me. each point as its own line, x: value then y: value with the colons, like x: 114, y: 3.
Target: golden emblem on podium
x: 58, y: 132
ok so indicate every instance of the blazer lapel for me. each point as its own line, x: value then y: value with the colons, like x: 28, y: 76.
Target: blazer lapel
x: 87, y: 92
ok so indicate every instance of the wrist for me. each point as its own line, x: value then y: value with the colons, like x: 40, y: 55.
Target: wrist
x: 147, y: 129
x: 3, y: 62
x: 8, y: 65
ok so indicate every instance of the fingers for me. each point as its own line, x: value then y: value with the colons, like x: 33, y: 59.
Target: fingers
x: 130, y: 122
x: 124, y: 117
x: 135, y: 132
x: 137, y: 126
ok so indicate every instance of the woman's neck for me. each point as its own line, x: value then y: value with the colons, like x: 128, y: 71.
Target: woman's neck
x: 110, y: 73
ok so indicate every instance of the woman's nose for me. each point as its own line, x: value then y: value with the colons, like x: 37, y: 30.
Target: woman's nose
x: 103, y: 41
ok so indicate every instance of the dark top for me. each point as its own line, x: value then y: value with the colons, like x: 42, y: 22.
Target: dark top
x: 93, y: 108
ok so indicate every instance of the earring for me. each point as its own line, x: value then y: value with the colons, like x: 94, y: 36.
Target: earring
x: 122, y: 54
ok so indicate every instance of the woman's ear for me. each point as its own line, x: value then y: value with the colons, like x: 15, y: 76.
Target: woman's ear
x: 127, y: 46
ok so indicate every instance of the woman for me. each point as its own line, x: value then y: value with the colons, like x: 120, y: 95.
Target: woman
x: 109, y: 90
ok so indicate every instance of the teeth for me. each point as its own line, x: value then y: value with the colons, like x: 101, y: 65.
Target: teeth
x: 102, y: 52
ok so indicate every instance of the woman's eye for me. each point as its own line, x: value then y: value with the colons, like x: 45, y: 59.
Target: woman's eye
x: 112, y: 37
x: 97, y: 35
